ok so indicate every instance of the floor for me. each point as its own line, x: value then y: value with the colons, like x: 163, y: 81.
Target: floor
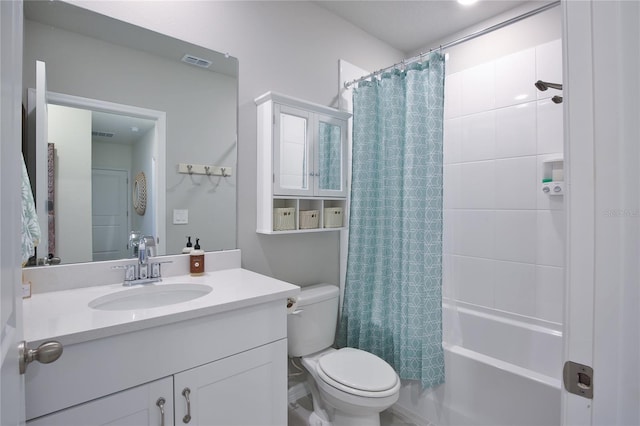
x: 300, y: 410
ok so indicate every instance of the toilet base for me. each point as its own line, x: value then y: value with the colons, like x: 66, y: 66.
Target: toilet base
x: 315, y: 420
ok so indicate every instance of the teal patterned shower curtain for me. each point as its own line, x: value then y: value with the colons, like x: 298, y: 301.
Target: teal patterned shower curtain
x: 393, y: 299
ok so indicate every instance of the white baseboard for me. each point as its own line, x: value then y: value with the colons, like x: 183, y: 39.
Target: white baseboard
x: 409, y: 416
x: 297, y: 391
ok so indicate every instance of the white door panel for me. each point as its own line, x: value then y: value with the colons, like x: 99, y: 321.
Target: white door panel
x: 11, y: 383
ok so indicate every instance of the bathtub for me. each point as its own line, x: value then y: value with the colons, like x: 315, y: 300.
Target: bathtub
x: 499, y: 370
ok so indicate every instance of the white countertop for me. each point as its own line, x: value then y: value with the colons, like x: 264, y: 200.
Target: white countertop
x: 66, y: 317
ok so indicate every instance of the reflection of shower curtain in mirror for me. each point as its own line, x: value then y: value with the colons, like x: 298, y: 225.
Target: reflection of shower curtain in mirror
x: 51, y: 213
x: 329, y: 162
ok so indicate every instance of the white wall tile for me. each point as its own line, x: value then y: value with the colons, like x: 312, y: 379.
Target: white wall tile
x: 449, y: 231
x: 451, y: 186
x: 448, y: 272
x: 476, y: 279
x: 549, y: 66
x: 477, y: 185
x: 475, y: 233
x: 550, y: 236
x: 478, y: 89
x: 549, y: 293
x: 516, y: 183
x: 515, y: 237
x: 515, y: 78
x: 452, y: 142
x: 515, y: 287
x: 452, y: 95
x: 503, y: 238
x: 516, y: 130
x: 478, y: 138
x: 549, y: 127
x: 544, y: 201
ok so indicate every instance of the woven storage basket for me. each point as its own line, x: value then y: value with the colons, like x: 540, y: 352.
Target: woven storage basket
x: 309, y: 219
x: 284, y: 219
x: 333, y: 217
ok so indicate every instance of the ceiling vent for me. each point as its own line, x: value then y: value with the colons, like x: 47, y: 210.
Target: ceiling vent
x: 198, y: 62
x: 103, y: 134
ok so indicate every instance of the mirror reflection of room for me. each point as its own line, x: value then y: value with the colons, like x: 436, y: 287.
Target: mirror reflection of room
x: 200, y: 104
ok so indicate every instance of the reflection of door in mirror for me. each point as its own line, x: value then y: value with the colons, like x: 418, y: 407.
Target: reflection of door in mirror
x: 96, y: 154
x: 109, y: 213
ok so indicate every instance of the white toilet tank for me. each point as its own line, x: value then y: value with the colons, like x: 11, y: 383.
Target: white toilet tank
x: 312, y: 327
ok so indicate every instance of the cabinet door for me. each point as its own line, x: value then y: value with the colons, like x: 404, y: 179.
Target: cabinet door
x: 330, y: 153
x: 137, y: 406
x: 292, y: 162
x: 246, y: 389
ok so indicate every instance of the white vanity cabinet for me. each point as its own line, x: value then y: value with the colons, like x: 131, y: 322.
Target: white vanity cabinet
x: 302, y: 163
x: 234, y: 364
x: 146, y: 405
x: 233, y: 391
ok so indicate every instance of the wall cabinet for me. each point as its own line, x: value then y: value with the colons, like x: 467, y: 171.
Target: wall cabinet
x: 302, y: 165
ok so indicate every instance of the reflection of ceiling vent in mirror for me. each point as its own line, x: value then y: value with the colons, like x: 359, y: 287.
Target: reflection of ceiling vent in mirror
x: 103, y: 134
x: 194, y: 60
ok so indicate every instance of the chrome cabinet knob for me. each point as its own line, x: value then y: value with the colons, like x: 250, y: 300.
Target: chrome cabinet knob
x: 45, y: 354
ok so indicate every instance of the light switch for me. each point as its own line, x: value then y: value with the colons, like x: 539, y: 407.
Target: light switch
x: 180, y: 216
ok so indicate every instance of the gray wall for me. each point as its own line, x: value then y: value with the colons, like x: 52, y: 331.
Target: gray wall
x: 288, y: 47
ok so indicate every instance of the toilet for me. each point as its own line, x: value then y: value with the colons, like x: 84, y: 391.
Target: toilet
x: 349, y: 387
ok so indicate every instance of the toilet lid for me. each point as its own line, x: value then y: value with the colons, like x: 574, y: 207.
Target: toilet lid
x: 359, y: 370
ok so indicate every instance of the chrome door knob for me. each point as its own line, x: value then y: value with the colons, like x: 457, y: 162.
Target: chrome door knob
x: 45, y: 353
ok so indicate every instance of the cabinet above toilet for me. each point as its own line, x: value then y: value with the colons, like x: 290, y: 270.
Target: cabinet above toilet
x: 301, y: 165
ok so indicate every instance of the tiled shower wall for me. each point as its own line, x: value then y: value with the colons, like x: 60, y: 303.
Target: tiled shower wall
x: 503, y: 237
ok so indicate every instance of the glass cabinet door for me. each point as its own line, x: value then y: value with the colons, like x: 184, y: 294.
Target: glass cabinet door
x: 291, y: 156
x: 330, y: 150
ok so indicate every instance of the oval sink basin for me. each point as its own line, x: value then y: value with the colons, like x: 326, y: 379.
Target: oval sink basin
x: 149, y: 296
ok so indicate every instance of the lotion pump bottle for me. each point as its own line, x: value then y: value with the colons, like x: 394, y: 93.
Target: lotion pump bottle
x: 196, y: 260
x: 189, y: 247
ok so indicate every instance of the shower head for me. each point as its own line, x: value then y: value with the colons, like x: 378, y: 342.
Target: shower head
x: 556, y: 99
x: 543, y: 85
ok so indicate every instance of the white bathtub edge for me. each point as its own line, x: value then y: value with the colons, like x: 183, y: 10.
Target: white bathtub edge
x: 505, y: 366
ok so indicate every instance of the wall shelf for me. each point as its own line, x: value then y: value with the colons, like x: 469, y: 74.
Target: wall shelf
x: 301, y: 166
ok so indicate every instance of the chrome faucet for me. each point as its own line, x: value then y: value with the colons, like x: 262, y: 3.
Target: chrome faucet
x: 147, y: 270
x: 146, y: 250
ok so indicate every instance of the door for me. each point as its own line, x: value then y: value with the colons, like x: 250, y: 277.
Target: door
x: 219, y: 393
x: 110, y: 214
x: 11, y: 383
x: 150, y: 404
x: 602, y: 319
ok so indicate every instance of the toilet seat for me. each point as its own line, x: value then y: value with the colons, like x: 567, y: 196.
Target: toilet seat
x: 358, y: 373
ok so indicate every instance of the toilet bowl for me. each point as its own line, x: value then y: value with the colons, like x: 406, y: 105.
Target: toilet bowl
x: 353, y: 386
x: 349, y: 387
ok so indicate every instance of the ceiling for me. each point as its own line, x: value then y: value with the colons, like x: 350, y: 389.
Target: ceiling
x: 410, y: 26
x: 123, y: 129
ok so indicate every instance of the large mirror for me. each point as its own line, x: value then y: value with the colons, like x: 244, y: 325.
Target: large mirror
x: 162, y: 131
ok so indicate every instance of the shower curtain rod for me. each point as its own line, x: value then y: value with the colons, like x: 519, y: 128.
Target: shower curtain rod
x: 461, y: 40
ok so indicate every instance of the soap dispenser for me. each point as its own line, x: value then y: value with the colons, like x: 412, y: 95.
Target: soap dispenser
x: 196, y: 259
x: 189, y: 247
